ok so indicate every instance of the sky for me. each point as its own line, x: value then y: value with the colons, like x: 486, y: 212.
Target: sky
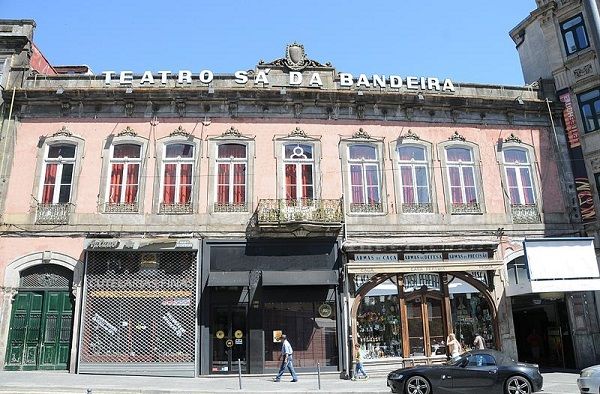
x: 464, y: 40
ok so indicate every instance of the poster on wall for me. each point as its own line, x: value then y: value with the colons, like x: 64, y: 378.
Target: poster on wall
x: 582, y: 182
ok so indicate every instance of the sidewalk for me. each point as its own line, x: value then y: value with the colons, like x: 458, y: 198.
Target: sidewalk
x: 37, y: 382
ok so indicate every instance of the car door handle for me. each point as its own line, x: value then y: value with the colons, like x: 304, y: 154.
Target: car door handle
x: 492, y: 371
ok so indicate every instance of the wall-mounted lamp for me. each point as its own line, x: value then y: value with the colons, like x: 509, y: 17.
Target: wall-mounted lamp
x: 129, y: 90
x: 519, y: 100
x: 60, y: 90
x: 420, y: 96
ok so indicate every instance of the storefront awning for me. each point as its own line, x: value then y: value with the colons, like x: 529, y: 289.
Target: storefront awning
x: 559, y: 265
x: 299, y: 278
x: 231, y: 278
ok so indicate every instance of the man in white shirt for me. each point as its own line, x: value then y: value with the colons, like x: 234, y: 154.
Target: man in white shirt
x: 479, y: 342
x: 286, y: 360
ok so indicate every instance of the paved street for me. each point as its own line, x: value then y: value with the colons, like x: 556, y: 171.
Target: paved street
x: 64, y: 383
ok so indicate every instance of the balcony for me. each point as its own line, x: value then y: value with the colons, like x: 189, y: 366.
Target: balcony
x: 230, y: 207
x: 53, y: 213
x: 126, y: 207
x: 525, y: 213
x: 417, y: 208
x: 300, y: 216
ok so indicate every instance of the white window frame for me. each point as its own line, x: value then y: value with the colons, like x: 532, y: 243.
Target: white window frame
x: 61, y: 161
x: 364, y: 164
x: 231, y: 161
x: 461, y: 165
x: 298, y: 163
x: 179, y: 162
x: 127, y: 161
x: 519, y: 167
x: 413, y: 164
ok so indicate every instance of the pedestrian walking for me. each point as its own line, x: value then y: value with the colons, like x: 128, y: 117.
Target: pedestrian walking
x: 286, y: 360
x: 358, y: 368
x: 479, y: 342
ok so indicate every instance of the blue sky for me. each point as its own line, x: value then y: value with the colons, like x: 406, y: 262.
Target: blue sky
x: 465, y: 40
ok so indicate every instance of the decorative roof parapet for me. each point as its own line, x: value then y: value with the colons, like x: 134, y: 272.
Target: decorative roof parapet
x: 295, y: 59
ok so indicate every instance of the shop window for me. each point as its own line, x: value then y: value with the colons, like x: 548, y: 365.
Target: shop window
x: 378, y: 322
x: 232, y: 163
x: 124, y: 180
x: 365, y: 178
x: 310, y: 327
x: 589, y: 105
x: 177, y: 178
x: 574, y: 34
x: 471, y: 314
x: 413, y: 169
x: 460, y: 167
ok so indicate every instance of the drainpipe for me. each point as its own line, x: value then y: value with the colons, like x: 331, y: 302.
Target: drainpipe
x: 591, y: 9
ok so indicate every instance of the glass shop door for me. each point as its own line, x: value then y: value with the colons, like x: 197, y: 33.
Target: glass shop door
x: 229, y: 339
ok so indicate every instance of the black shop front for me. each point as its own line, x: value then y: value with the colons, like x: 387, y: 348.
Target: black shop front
x: 252, y: 291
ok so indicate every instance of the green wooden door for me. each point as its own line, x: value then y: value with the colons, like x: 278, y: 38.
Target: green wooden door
x: 40, y: 331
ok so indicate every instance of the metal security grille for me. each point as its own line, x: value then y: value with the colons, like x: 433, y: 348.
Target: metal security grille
x: 139, y: 308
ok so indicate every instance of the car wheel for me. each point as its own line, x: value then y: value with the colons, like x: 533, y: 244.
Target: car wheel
x: 518, y: 385
x: 417, y: 385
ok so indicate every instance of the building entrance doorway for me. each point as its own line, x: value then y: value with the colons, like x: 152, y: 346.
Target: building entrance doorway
x: 229, y: 339
x: 426, y: 336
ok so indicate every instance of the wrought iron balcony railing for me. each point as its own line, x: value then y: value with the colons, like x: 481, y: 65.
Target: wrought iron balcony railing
x: 417, y: 207
x: 300, y: 211
x: 176, y: 208
x: 374, y: 207
x: 53, y: 213
x: 465, y: 208
x: 525, y: 213
x: 231, y: 207
x: 126, y: 207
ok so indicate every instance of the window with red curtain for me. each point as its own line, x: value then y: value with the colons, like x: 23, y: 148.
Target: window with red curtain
x: 178, y: 164
x: 518, y: 176
x: 364, y: 174
x: 299, y: 171
x: 59, y: 163
x: 124, y: 179
x: 232, y: 163
x: 414, y: 177
x: 461, y: 175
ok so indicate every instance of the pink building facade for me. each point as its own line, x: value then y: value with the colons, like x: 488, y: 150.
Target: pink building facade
x: 166, y: 225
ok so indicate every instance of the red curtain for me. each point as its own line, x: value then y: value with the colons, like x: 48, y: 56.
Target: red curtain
x: 116, y: 179
x: 372, y: 177
x: 239, y: 182
x: 290, y: 182
x: 356, y: 182
x: 49, y: 183
x: 307, y: 181
x: 185, y: 188
x: 169, y: 183
x: 223, y: 184
x: 455, y: 185
x: 406, y: 178
x: 132, y: 183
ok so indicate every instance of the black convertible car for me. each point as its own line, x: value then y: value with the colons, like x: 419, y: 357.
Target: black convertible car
x: 479, y: 371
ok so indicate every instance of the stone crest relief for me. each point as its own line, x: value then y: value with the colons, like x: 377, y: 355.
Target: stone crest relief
x: 295, y: 59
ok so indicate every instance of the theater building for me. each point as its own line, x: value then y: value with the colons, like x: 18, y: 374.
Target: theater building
x: 176, y: 223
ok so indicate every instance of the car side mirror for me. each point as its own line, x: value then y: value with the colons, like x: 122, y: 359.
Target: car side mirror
x: 464, y: 362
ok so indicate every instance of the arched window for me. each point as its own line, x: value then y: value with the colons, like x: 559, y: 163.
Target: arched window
x: 125, y: 164
x: 518, y: 176
x: 462, y: 183
x: 365, y: 184
x: 414, y: 178
x: 59, y: 163
x: 177, y: 176
x: 299, y: 171
x: 232, y: 162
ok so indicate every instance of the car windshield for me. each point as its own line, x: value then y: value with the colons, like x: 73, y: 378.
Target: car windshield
x: 457, y: 361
